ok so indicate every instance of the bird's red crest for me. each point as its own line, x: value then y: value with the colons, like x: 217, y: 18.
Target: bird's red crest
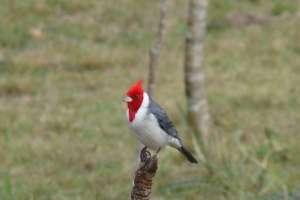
x: 135, y: 89
x: 135, y: 92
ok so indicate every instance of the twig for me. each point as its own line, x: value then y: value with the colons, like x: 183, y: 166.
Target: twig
x: 143, y: 176
x: 155, y: 50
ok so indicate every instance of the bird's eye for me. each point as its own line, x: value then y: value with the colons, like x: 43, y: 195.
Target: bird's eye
x: 135, y: 96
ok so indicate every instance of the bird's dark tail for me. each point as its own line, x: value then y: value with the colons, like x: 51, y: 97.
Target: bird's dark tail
x: 187, y: 154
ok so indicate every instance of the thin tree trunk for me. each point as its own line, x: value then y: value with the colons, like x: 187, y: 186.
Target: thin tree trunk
x: 198, y: 112
x: 155, y: 50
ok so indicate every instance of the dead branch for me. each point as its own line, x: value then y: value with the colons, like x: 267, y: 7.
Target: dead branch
x: 155, y: 50
x: 141, y: 189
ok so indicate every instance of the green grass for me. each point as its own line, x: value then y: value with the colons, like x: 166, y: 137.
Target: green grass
x: 65, y: 66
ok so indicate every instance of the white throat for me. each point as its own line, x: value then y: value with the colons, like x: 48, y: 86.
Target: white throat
x: 142, y: 111
x: 146, y: 101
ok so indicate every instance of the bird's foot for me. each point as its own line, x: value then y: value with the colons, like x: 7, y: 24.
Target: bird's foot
x: 145, y: 154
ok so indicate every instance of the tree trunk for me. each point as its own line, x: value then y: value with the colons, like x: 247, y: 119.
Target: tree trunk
x: 198, y: 112
x: 155, y: 50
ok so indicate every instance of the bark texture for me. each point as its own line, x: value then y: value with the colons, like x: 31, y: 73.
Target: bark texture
x: 155, y: 50
x: 198, y: 112
x: 141, y: 189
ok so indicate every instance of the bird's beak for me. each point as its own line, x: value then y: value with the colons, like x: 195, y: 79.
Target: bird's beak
x: 127, y: 99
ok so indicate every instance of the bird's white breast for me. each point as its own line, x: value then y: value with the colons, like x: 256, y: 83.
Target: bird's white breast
x: 146, y: 127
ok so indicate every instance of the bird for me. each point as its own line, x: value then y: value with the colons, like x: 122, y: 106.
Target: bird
x: 150, y: 123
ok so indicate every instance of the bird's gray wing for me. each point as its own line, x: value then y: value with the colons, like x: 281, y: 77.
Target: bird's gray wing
x: 163, y: 119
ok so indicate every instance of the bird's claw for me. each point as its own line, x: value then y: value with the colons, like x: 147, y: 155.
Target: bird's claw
x: 145, y: 155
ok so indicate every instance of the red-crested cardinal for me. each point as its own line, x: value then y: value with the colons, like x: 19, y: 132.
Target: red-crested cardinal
x: 150, y: 123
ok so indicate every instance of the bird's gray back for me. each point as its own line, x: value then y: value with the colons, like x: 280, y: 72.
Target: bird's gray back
x: 163, y: 120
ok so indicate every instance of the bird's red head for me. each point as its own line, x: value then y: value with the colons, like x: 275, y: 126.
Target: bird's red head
x: 134, y: 99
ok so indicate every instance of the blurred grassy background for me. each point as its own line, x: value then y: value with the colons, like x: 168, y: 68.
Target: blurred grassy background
x: 64, y: 67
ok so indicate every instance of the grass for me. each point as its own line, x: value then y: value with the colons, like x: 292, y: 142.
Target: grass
x: 65, y: 66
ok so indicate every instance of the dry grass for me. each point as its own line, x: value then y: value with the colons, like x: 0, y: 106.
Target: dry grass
x: 66, y: 66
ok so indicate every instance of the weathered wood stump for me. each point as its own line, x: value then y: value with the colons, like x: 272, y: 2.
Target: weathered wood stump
x: 141, y: 189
